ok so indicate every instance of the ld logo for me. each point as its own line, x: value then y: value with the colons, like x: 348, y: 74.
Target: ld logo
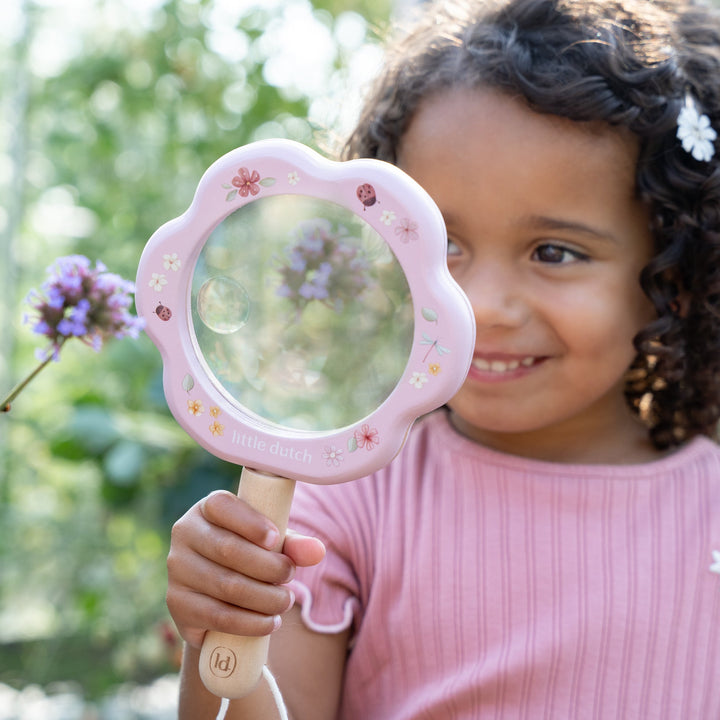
x: 222, y: 662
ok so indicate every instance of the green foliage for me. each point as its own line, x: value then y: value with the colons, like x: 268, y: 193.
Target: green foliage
x: 99, y: 150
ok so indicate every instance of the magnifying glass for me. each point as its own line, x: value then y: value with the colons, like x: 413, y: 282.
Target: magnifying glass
x: 306, y: 317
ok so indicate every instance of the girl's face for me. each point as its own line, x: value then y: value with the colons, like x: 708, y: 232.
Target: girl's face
x: 547, y: 239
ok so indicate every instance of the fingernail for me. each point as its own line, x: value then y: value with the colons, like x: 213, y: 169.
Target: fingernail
x: 292, y: 599
x: 277, y: 622
x: 271, y: 539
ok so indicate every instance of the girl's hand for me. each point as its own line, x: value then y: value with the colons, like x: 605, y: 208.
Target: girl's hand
x: 223, y: 576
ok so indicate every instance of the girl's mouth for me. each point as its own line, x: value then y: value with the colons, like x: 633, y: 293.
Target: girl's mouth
x: 503, y: 366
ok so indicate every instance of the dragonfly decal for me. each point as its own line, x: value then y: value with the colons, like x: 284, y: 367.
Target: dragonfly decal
x: 427, y: 340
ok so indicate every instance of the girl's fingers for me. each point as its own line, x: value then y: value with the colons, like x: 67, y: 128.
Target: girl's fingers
x: 226, y: 510
x: 199, y: 576
x: 216, y: 615
x: 228, y: 548
x: 221, y: 574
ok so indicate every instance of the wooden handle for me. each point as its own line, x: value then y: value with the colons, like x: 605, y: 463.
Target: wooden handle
x: 231, y: 665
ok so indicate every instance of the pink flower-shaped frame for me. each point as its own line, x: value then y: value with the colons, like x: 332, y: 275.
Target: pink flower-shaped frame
x: 405, y: 217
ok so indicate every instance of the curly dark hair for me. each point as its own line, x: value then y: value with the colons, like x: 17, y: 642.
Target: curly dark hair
x: 629, y: 63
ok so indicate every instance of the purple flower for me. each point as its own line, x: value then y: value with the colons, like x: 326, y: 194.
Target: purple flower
x: 312, y: 244
x: 297, y: 261
x: 79, y: 300
x: 307, y: 291
x: 324, y: 272
x: 55, y: 298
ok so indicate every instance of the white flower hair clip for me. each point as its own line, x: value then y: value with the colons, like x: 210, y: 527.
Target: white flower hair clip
x: 695, y: 132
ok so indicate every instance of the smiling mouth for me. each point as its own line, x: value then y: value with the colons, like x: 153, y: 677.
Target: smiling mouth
x: 503, y: 366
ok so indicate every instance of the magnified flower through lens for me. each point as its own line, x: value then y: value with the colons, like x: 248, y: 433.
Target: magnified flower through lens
x: 322, y: 264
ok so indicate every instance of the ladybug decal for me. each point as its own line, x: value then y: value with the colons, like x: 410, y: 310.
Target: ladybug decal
x: 366, y: 194
x: 164, y: 313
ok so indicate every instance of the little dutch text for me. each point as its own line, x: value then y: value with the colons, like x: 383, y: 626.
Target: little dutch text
x: 273, y: 448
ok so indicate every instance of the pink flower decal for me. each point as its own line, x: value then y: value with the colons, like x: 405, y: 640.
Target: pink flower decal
x: 366, y: 437
x: 407, y: 230
x: 247, y: 182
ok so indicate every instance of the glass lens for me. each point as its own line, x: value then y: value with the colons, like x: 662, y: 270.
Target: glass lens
x: 301, y: 313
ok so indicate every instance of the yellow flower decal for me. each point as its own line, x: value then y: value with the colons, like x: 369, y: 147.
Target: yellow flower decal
x: 195, y: 407
x: 216, y: 428
x: 434, y: 369
x: 215, y: 411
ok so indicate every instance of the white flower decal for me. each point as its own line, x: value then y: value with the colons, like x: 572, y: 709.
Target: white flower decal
x: 293, y: 177
x: 171, y: 262
x: 695, y: 132
x: 333, y: 456
x: 715, y: 567
x: 157, y: 281
x: 418, y: 379
x: 387, y: 217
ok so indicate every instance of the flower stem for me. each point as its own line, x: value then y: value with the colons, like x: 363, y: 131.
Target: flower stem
x: 5, y: 403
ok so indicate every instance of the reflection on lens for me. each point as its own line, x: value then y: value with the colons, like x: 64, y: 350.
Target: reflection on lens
x: 223, y: 305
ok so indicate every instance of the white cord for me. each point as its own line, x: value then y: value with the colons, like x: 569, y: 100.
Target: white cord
x: 224, y: 705
x: 274, y: 689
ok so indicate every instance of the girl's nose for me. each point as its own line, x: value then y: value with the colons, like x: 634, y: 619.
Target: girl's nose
x: 497, y: 296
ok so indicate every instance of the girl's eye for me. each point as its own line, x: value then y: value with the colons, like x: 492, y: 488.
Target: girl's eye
x: 557, y: 254
x: 453, y: 249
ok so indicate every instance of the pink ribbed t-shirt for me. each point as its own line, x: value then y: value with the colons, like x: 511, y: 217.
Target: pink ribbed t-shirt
x: 479, y: 585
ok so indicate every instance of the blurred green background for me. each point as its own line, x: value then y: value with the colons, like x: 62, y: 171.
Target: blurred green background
x: 110, y: 111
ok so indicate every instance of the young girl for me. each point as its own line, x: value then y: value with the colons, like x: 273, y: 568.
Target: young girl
x: 549, y: 545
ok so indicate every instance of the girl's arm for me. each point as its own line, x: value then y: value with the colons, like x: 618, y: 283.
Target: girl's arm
x: 195, y: 701
x: 309, y: 668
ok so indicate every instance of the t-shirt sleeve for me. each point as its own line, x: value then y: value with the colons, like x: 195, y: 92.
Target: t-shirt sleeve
x: 331, y: 594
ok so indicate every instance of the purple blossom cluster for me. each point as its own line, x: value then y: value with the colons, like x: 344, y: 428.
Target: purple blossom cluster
x: 322, y: 265
x: 82, y: 301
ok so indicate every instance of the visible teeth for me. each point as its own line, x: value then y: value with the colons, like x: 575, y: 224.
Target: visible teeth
x: 501, y: 366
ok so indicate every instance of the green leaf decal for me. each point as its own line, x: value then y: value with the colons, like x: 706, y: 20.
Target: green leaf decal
x: 429, y: 314
x: 352, y: 444
x: 188, y: 383
x: 267, y: 182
